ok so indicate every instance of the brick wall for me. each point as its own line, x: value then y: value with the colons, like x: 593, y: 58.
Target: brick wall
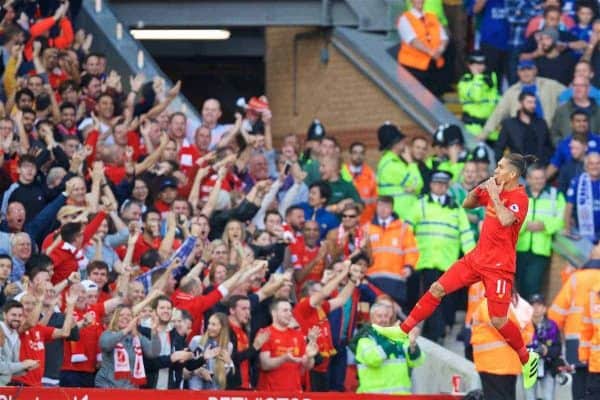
x: 348, y: 104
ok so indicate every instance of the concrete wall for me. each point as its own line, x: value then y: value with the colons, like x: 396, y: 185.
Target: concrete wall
x: 349, y: 105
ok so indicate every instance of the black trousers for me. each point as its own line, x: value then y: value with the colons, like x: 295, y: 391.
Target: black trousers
x: 579, y: 384
x: 433, y: 78
x: 434, y: 327
x: 592, y: 387
x: 498, y: 387
x: 319, y: 381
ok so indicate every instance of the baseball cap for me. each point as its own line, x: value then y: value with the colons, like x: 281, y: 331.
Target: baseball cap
x: 168, y: 182
x: 89, y: 285
x: 537, y: 298
x: 526, y: 64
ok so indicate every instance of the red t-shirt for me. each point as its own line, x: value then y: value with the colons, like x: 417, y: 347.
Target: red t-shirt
x: 33, y: 348
x: 301, y: 255
x: 288, y: 376
x: 308, y: 316
x: 496, y: 246
x: 88, y: 341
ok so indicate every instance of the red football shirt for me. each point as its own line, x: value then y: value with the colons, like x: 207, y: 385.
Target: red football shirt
x: 302, y: 255
x: 496, y: 246
x: 33, y: 348
x: 88, y: 341
x: 287, y: 377
x: 308, y: 316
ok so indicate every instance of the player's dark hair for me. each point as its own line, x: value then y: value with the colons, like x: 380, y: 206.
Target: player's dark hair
x: 520, y: 162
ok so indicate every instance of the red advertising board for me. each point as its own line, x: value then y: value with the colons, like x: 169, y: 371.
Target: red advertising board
x: 28, y: 393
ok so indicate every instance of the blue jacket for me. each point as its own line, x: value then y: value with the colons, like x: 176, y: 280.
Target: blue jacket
x: 327, y: 221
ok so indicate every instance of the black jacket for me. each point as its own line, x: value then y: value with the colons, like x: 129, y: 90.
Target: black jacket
x: 234, y: 381
x: 153, y: 365
x: 518, y: 137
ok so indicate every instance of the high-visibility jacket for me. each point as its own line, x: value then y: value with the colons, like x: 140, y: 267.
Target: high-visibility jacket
x: 443, y: 163
x: 491, y: 353
x: 392, y: 248
x: 459, y: 194
x: 548, y: 207
x: 399, y: 179
x: 589, y: 348
x: 567, y: 309
x: 442, y: 231
x: 384, y: 361
x: 478, y: 95
x: 475, y: 296
x: 429, y: 32
x: 366, y: 185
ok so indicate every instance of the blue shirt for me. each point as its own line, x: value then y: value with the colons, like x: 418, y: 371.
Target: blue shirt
x: 567, y: 95
x: 572, y: 199
x: 324, y: 218
x: 493, y: 23
x: 563, y: 153
x: 519, y: 14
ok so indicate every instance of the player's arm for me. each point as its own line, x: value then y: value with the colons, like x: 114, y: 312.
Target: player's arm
x: 504, y: 215
x: 472, y: 199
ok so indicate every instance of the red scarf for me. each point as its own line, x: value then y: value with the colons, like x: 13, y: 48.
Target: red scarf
x: 242, y: 344
x: 345, y: 244
x: 122, y: 367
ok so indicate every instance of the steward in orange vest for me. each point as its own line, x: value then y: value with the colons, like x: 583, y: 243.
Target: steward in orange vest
x: 423, y: 43
x: 363, y: 178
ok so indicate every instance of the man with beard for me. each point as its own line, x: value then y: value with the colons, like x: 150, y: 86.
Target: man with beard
x: 166, y: 370
x: 550, y: 61
x: 525, y: 133
x: 243, y: 352
x: 12, y: 321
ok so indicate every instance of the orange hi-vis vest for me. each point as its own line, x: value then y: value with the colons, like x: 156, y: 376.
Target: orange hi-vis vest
x: 491, y: 353
x: 567, y: 307
x: 475, y: 297
x: 366, y: 186
x: 392, y: 248
x: 428, y: 31
x: 589, y: 346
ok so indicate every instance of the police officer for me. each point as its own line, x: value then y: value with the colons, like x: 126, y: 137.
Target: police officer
x: 442, y: 231
x: 451, y: 154
x: 397, y: 176
x: 478, y: 95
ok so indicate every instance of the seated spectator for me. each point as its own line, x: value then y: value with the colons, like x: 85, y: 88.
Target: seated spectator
x: 580, y: 127
x: 424, y: 40
x: 561, y: 123
x: 478, y: 94
x: 582, y: 213
x: 578, y: 148
x: 551, y: 20
x: 550, y: 61
x: 526, y: 133
x: 583, y: 69
x: 546, y: 92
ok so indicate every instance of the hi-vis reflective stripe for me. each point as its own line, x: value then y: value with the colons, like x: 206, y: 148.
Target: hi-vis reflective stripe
x: 388, y: 249
x: 586, y: 320
x: 595, y: 347
x: 437, y: 234
x: 572, y: 336
x: 489, y: 346
x: 389, y: 361
x: 369, y: 200
x: 575, y: 310
x: 371, y: 347
x: 559, y: 310
x: 584, y: 344
x: 595, y: 321
x: 455, y: 227
x: 395, y: 389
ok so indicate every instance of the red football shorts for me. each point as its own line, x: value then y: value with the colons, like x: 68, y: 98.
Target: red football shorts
x: 498, y: 284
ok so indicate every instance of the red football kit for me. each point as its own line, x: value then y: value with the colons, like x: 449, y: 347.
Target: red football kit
x: 288, y: 376
x: 493, y: 260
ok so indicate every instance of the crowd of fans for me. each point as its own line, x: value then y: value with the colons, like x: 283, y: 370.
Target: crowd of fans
x: 140, y: 251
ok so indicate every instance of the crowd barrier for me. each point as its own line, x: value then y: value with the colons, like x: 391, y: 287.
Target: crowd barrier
x: 29, y: 393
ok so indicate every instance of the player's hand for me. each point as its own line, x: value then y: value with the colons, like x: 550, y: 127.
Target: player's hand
x: 493, y: 188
